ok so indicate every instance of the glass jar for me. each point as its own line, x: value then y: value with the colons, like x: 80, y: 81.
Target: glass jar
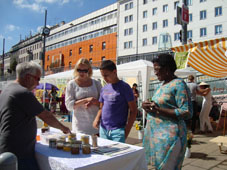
x: 86, y: 149
x: 72, y: 136
x: 67, y: 147
x: 94, y: 141
x: 63, y: 138
x: 85, y: 139
x: 52, y: 142
x: 75, y: 148
x: 60, y: 144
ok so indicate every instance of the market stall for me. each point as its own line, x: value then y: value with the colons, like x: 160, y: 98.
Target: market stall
x: 128, y: 157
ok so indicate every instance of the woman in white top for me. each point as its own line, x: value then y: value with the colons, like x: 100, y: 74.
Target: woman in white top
x: 82, y: 94
x: 206, y: 107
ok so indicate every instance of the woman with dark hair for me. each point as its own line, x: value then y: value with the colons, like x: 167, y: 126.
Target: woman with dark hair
x: 166, y: 133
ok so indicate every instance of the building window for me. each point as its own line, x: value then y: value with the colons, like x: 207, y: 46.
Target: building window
x: 91, y: 48
x: 145, y: 28
x: 126, y: 19
x: 165, y: 8
x: 144, y: 14
x: 103, y: 45
x: 218, y: 29
x: 154, y: 40
x: 218, y: 11
x: 165, y: 38
x: 203, y: 32
x: 70, y: 64
x: 130, y: 18
x: 176, y: 4
x: 103, y: 58
x: 125, y: 32
x: 70, y: 52
x: 145, y: 42
x: 189, y: 2
x: 48, y: 58
x: 154, y: 25
x: 203, y: 1
x: 165, y: 23
x: 128, y: 6
x: 144, y: 1
x: 175, y: 20
x: 130, y: 31
x: 190, y: 17
x: 203, y: 15
x: 189, y: 34
x: 127, y: 44
x: 176, y: 36
x: 80, y: 50
x: 154, y: 11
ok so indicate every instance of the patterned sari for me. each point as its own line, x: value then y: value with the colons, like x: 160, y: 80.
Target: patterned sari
x: 162, y: 133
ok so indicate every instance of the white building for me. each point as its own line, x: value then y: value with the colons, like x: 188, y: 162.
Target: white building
x: 141, y: 22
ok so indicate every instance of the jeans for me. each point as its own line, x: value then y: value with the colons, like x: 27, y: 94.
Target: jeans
x: 114, y: 135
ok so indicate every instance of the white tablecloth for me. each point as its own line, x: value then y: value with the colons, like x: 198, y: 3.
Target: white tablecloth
x: 53, y: 159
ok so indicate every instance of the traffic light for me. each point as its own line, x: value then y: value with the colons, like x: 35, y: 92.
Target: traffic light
x: 180, y: 36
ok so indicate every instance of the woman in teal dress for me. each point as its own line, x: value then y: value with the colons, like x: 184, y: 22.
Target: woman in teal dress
x: 166, y: 134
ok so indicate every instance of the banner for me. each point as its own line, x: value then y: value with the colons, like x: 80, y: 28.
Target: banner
x: 181, y: 59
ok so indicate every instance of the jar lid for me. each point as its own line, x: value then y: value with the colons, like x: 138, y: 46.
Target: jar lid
x: 52, y: 139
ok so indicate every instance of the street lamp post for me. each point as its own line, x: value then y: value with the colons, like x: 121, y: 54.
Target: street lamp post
x: 3, y: 56
x: 46, y: 32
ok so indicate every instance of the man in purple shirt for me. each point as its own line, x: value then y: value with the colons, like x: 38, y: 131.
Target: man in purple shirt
x: 115, y: 99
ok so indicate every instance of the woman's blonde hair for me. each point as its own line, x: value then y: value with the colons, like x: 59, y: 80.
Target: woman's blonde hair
x: 83, y: 61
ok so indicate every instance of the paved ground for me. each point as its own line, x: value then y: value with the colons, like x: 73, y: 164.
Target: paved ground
x: 204, y: 154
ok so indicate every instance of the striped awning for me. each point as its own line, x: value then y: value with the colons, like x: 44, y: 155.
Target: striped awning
x: 207, y: 57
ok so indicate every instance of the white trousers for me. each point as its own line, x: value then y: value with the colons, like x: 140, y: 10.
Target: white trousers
x: 204, y: 116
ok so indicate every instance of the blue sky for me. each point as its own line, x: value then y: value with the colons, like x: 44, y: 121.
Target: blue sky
x: 22, y: 17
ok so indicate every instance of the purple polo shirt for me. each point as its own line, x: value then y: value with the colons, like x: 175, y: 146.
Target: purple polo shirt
x: 115, y: 98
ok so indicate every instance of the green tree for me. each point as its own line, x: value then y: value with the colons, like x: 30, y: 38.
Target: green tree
x: 13, y: 64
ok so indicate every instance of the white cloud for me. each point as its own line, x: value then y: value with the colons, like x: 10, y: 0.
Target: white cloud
x: 40, y: 28
x: 1, y: 36
x: 9, y: 38
x: 79, y: 3
x: 37, y: 7
x: 11, y: 27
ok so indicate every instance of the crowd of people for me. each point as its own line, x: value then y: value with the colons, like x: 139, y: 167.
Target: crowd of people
x: 108, y: 111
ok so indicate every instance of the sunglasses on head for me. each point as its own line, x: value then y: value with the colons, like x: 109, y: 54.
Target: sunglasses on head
x: 82, y: 71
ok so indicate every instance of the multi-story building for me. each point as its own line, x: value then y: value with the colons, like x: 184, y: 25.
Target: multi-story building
x: 6, y: 63
x: 30, y: 49
x: 93, y: 36
x: 148, y: 26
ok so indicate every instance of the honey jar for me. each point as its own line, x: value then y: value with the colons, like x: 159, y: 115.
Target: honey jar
x: 60, y: 144
x: 67, y: 147
x: 52, y: 142
x: 72, y: 136
x: 86, y: 149
x: 75, y: 148
x: 85, y: 139
x: 63, y: 138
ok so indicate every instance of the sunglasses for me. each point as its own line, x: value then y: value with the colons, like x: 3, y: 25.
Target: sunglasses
x: 35, y: 77
x: 82, y: 71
